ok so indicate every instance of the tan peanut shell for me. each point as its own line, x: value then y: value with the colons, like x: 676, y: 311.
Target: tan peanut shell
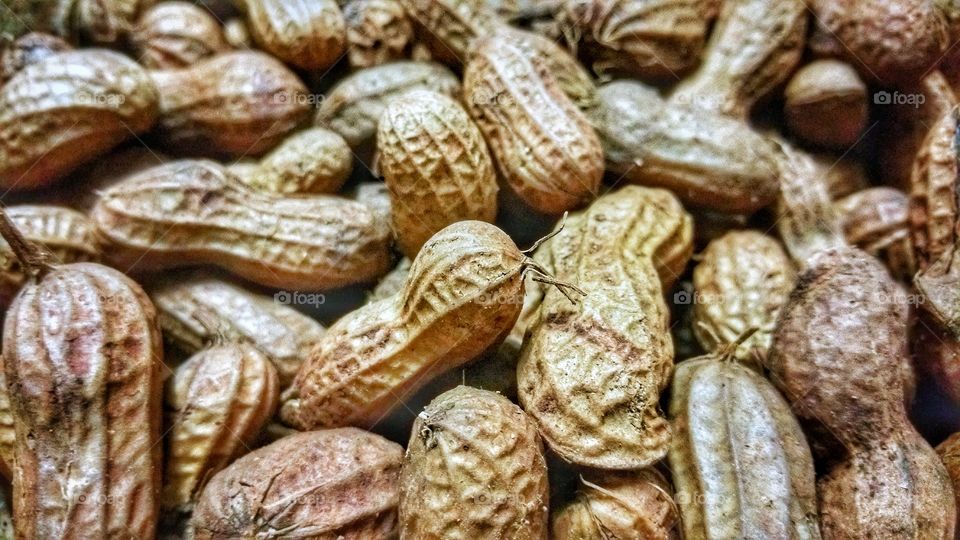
x: 739, y: 461
x: 709, y: 161
x: 608, y: 504
x: 461, y: 298
x: 8, y: 436
x: 193, y: 211
x: 314, y: 160
x: 82, y: 355
x: 26, y: 50
x: 753, y: 48
x: 451, y: 28
x: 591, y: 373
x: 353, y: 107
x: 883, y: 480
x: 825, y: 104
x: 543, y: 145
x: 68, y: 109
x: 218, y: 401
x: 338, y: 483
x: 949, y: 452
x: 653, y: 41
x: 435, y: 162
x: 742, y: 281
x: 934, y: 212
x: 308, y: 34
x: 188, y: 305
x: 474, y: 468
x: 84, y: 189
x: 877, y: 221
x: 378, y: 31
x: 376, y: 197
x: 174, y: 35
x: 393, y: 282
x: 266, y: 102
x: 107, y: 23
x: 68, y: 236
x: 570, y: 75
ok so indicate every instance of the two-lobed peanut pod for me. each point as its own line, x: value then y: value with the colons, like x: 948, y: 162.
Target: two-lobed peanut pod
x: 174, y: 35
x: 308, y: 34
x: 190, y: 212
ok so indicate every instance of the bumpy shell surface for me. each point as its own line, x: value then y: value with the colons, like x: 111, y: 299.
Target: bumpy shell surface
x: 877, y: 221
x: 618, y: 505
x: 235, y: 103
x: 82, y: 354
x: 353, y: 107
x: 378, y: 31
x: 309, y: 34
x: 219, y: 400
x: 451, y: 28
x: 754, y: 46
x: 173, y: 35
x: 393, y: 282
x: 826, y: 104
x: 107, y: 23
x: 742, y: 281
x: 709, y: 161
x: 324, y: 485
x: 28, y: 49
x: 573, y: 79
x: 67, y: 109
x: 934, y: 207
x: 8, y: 435
x: 190, y: 212
x: 544, y: 146
x: 591, y: 373
x: 436, y: 164
x: 740, y: 462
x: 474, y: 468
x: 68, y: 235
x: 314, y: 160
x: 462, y: 296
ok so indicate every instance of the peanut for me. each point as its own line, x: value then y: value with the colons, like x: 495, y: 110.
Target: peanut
x: 68, y: 235
x: 826, y: 93
x: 461, y: 298
x: 883, y: 480
x: 68, y: 109
x: 189, y: 212
x: 376, y: 197
x: 219, y: 400
x: 236, y: 34
x: 264, y: 97
x: 474, y: 468
x: 107, y: 23
x: 876, y: 220
x: 572, y: 78
x: 591, y: 374
x: 314, y: 160
x: 708, y: 160
x: 338, y: 483
x: 618, y: 505
x: 176, y: 34
x: 743, y: 280
x: 308, y: 34
x: 378, y: 32
x: 84, y: 190
x: 353, y: 107
x: 949, y: 452
x: 740, y: 462
x: 393, y: 282
x: 82, y: 353
x: 8, y: 435
x: 544, y: 147
x: 436, y: 164
x: 451, y: 28
x: 26, y: 50
x: 189, y: 305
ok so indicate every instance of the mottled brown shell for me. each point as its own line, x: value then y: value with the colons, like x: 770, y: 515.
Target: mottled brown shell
x: 68, y: 235
x: 474, y: 468
x: 308, y: 34
x: 461, y: 298
x: 107, y: 23
x: 615, y: 505
x: 436, y: 164
x: 934, y: 212
x: 236, y: 104
x: 192, y: 212
x: 68, y: 109
x: 218, y: 401
x: 173, y: 35
x: 82, y: 354
x: 26, y: 50
x: 544, y: 146
x: 314, y: 160
x: 8, y: 435
x: 709, y: 161
x: 826, y: 104
x: 877, y: 221
x: 591, y: 373
x: 739, y: 460
x: 189, y: 305
x: 742, y: 281
x: 949, y: 452
x: 753, y: 48
x: 324, y: 485
x: 353, y: 107
x: 378, y: 31
x: 451, y: 28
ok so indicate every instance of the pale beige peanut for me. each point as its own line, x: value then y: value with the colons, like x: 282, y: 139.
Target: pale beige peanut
x: 378, y: 31
x: 474, y: 468
x: 219, y: 400
x: 67, y: 109
x: 314, y: 160
x: 174, y: 35
x: 435, y: 162
x: 308, y: 34
x: 193, y: 211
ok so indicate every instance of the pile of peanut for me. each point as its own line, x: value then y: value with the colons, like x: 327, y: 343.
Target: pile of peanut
x: 480, y: 269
